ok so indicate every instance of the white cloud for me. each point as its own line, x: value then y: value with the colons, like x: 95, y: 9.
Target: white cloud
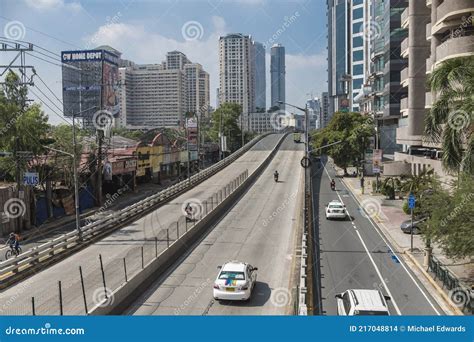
x: 46, y: 5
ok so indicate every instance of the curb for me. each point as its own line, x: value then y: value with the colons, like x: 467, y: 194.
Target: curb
x: 454, y: 309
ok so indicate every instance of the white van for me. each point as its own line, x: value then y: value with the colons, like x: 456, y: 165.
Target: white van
x: 362, y: 302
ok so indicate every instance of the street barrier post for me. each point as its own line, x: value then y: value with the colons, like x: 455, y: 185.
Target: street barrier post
x: 103, y: 276
x: 83, y: 290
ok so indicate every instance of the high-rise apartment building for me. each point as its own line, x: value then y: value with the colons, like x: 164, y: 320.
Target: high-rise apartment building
x: 198, y: 95
x: 260, y: 76
x: 159, y: 95
x: 237, y: 71
x: 314, y: 111
x: 277, y: 75
x: 437, y: 31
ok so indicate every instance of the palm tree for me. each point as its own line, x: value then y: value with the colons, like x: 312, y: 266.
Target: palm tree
x: 416, y: 183
x: 450, y: 121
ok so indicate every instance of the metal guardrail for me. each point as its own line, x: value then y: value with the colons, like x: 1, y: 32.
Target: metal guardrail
x: 460, y: 295
x: 109, y: 222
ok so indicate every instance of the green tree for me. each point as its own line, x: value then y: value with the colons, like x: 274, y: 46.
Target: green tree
x: 450, y: 224
x: 450, y: 120
x: 417, y: 183
x: 353, y: 130
x: 23, y: 127
x: 226, y: 119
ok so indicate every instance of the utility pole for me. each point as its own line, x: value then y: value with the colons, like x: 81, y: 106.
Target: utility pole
x: 20, y: 48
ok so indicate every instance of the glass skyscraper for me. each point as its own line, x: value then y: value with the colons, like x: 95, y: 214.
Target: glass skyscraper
x: 277, y: 73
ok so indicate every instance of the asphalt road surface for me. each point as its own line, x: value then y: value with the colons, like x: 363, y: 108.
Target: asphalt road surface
x: 354, y: 255
x: 123, y: 243
x: 260, y: 229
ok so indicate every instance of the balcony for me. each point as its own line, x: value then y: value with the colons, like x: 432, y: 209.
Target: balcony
x: 452, y: 9
x: 428, y: 100
x: 455, y: 47
x: 428, y: 65
x: 404, y: 106
x: 404, y: 48
x: 404, y: 18
x: 404, y: 77
x: 428, y: 31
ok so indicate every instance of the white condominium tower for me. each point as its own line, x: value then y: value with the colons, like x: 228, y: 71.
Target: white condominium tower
x: 237, y: 71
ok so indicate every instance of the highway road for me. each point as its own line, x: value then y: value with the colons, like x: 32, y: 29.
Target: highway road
x: 354, y: 255
x: 123, y: 243
x: 260, y: 229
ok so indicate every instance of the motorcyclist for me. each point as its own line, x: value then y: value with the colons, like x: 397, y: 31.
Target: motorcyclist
x: 189, y: 211
x: 333, y: 184
x: 275, y: 175
x: 14, y: 242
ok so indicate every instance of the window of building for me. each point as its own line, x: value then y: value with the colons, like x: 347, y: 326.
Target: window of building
x: 357, y: 56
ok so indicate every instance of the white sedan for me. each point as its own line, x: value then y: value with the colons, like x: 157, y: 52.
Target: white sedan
x: 335, y: 209
x: 235, y: 281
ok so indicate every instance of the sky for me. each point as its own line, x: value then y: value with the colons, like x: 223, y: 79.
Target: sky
x: 145, y: 30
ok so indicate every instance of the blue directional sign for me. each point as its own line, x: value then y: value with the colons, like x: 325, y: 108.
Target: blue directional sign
x: 411, y: 201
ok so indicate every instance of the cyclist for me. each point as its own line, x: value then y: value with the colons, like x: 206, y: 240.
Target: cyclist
x: 14, y: 242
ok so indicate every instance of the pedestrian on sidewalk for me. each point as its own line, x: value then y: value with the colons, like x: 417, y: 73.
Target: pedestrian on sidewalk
x: 362, y: 181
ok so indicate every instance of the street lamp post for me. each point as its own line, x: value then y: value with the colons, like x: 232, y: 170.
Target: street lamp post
x: 306, y: 120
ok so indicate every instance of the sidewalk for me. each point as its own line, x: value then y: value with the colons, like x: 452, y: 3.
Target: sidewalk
x: 59, y: 226
x: 388, y: 215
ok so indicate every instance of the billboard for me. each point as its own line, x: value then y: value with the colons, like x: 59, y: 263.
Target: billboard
x: 377, y: 161
x: 192, y: 131
x: 90, y: 82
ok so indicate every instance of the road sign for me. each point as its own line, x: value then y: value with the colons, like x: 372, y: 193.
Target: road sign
x: 411, y: 201
x: 31, y: 178
x: 376, y: 161
x: 305, y: 162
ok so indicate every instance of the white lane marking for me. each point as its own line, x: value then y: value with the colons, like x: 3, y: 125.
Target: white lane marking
x: 393, y: 252
x: 369, y: 255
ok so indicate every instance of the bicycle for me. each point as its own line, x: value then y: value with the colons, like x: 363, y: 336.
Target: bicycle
x: 12, y: 252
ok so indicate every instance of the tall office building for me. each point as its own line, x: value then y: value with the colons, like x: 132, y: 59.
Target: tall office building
x: 437, y: 31
x: 324, y: 117
x: 198, y: 95
x: 314, y: 109
x: 260, y: 76
x: 277, y: 75
x: 363, y: 33
x: 237, y: 71
x: 339, y: 58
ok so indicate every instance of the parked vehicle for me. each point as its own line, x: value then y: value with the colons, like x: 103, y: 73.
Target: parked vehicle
x: 406, y: 225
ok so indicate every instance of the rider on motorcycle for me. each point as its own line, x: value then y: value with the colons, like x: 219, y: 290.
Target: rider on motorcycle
x: 333, y: 184
x: 275, y: 175
x: 14, y: 242
x: 189, y: 211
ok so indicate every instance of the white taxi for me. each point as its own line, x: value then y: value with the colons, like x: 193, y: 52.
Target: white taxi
x: 336, y: 210
x: 235, y: 281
